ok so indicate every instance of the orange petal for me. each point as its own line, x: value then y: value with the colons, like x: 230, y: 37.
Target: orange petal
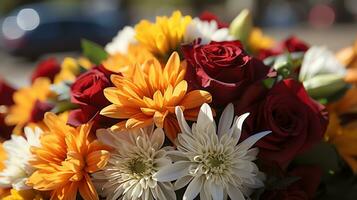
x: 96, y: 160
x: 118, y: 112
x: 87, y: 190
x: 171, y: 128
x: 138, y: 121
x: 195, y: 99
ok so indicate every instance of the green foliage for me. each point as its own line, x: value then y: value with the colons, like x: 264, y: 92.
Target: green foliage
x: 94, y: 52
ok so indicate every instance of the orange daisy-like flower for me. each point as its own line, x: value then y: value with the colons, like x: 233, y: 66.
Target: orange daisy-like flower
x: 65, y: 160
x: 151, y: 95
x: 120, y: 63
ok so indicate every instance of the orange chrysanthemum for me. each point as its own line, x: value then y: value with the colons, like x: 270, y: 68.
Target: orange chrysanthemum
x: 151, y: 95
x: 25, y: 99
x: 344, y: 138
x: 65, y: 160
x: 120, y: 63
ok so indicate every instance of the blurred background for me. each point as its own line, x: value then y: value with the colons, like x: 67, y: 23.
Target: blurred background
x: 35, y: 29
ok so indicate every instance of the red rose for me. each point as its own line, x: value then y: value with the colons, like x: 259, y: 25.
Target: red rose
x: 6, y: 100
x: 87, y: 92
x: 208, y: 16
x: 291, y: 44
x: 297, y: 122
x: 47, y: 68
x: 302, y: 189
x: 225, y: 70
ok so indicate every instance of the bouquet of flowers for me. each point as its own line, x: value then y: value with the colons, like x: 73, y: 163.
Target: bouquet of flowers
x: 184, y: 108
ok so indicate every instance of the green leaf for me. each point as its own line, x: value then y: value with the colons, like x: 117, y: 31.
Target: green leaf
x: 269, y: 82
x: 63, y: 106
x: 94, y: 52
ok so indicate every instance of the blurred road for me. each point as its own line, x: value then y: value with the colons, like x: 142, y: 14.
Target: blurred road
x: 17, y: 70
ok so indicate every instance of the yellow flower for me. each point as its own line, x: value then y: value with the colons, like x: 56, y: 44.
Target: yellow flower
x: 258, y: 41
x: 65, y: 160
x: 162, y: 37
x: 151, y: 95
x: 23, y: 195
x: 25, y: 100
x: 122, y: 63
x: 70, y: 68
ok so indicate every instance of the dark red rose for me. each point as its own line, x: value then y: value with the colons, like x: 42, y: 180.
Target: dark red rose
x: 297, y: 122
x: 47, y: 68
x: 87, y: 93
x: 208, y: 16
x: 302, y: 189
x: 291, y: 44
x: 6, y: 100
x: 225, y: 70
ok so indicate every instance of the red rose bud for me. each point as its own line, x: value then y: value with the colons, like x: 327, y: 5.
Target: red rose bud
x: 297, y: 122
x: 225, y: 70
x: 304, y: 188
x: 47, y: 68
x: 87, y: 92
x: 208, y: 16
x: 291, y: 44
x: 6, y: 100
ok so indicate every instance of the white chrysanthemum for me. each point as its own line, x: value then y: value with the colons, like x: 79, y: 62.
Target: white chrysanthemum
x: 320, y: 61
x: 137, y: 157
x: 207, y: 31
x: 17, y: 169
x: 121, y: 42
x: 213, y: 164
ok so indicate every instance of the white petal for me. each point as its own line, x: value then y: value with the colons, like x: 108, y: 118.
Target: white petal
x: 225, y: 121
x: 182, y: 182
x: 237, y: 129
x: 193, y: 188
x: 249, y: 142
x: 172, y: 172
x: 185, y: 128
x: 205, y: 117
x: 158, y: 137
x: 234, y: 193
x: 105, y: 137
x: 216, y: 191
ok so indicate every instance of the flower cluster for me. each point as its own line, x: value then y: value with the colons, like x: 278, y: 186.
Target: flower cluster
x: 178, y: 108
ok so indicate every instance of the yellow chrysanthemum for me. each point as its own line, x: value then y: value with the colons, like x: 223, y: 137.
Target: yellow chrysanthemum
x: 162, y: 37
x: 120, y: 63
x: 151, y: 95
x: 70, y: 68
x: 65, y: 160
x: 258, y: 41
x: 25, y: 98
x: 23, y: 195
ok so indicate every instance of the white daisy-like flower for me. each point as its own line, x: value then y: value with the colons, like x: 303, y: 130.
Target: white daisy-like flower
x: 121, y: 42
x: 212, y: 163
x: 319, y: 60
x: 137, y: 157
x: 17, y: 168
x: 206, y: 30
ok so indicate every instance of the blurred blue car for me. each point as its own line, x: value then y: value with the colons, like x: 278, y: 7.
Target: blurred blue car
x: 36, y: 29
